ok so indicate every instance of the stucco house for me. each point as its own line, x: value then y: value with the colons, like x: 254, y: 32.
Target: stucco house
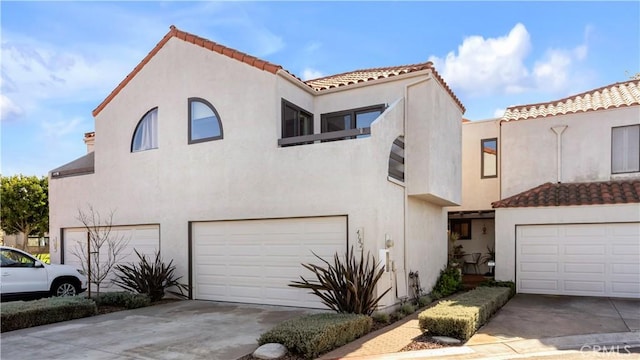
x: 568, y: 183
x: 237, y: 170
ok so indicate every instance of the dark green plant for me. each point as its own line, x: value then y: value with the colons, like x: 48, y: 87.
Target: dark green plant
x: 124, y: 299
x: 424, y: 301
x: 407, y: 309
x: 25, y: 206
x: 23, y: 314
x: 381, y: 317
x: 346, y: 286
x: 450, y: 281
x: 493, y: 283
x: 312, y: 335
x: 150, y: 278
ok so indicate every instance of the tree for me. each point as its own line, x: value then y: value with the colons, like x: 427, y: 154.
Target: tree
x: 24, y: 206
x: 102, y: 250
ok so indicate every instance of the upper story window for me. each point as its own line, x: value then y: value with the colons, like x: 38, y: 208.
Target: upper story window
x: 625, y: 149
x: 146, y: 135
x: 351, y: 119
x: 489, y: 160
x: 295, y: 120
x: 396, y: 159
x: 204, y: 121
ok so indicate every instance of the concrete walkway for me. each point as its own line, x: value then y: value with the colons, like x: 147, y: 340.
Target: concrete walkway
x: 527, y: 325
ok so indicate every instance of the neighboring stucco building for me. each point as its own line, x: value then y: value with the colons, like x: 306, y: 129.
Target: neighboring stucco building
x: 569, y: 219
x: 568, y: 174
x: 238, y: 170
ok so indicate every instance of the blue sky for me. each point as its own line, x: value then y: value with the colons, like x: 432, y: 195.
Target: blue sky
x: 61, y: 59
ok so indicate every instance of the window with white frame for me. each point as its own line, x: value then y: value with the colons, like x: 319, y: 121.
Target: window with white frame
x: 146, y: 135
x: 625, y: 149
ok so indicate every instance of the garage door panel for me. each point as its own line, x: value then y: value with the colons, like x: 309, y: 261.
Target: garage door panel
x: 256, y: 260
x: 583, y: 249
x: 580, y: 269
x: 593, y: 287
x: 591, y: 259
x: 626, y: 249
x: 143, y: 238
x: 536, y: 285
x: 626, y: 269
x: 539, y: 249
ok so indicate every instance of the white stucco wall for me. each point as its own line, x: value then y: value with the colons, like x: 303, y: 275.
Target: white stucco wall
x: 508, y: 218
x: 477, y: 193
x: 433, y: 144
x: 246, y: 175
x: 426, y: 240
x: 529, y: 148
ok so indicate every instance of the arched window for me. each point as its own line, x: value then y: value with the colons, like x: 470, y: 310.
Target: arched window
x: 146, y: 135
x: 396, y: 159
x: 204, y: 121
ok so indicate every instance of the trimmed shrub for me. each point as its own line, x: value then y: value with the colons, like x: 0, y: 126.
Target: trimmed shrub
x: 346, y: 286
x: 493, y: 283
x: 23, y: 314
x: 312, y: 335
x: 381, y: 317
x: 463, y: 314
x: 124, y: 299
x: 450, y: 281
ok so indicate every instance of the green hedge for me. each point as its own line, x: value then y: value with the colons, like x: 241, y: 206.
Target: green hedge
x: 312, y: 335
x: 23, y: 314
x: 124, y: 299
x: 462, y: 315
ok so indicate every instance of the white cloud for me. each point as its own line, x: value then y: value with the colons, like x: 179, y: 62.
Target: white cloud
x: 488, y: 65
x: 56, y: 129
x: 552, y: 72
x: 41, y: 72
x: 498, y: 113
x: 8, y: 109
x: 499, y: 65
x: 309, y: 73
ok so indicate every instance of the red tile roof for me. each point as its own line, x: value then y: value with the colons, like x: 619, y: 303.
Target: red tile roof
x: 328, y: 82
x: 611, y: 96
x: 364, y: 75
x: 567, y: 194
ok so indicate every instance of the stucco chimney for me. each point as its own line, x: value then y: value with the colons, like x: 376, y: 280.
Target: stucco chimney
x: 89, y: 139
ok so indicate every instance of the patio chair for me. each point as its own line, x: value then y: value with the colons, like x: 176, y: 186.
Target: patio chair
x: 473, y: 261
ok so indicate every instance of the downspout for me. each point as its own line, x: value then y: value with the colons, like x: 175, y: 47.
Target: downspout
x: 559, y: 130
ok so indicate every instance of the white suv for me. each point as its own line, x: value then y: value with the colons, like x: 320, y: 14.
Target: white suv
x: 22, y: 275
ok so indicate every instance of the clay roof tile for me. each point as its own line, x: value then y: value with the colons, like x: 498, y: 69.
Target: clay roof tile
x: 567, y: 194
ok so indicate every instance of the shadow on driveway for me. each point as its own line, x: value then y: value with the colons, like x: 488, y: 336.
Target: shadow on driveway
x: 544, y: 316
x: 182, y: 330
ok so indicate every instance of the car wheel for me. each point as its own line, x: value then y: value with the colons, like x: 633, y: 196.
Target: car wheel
x: 64, y: 288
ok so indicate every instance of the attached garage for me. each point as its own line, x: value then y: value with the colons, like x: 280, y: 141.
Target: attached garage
x: 253, y: 261
x: 580, y: 239
x: 579, y: 259
x: 143, y: 238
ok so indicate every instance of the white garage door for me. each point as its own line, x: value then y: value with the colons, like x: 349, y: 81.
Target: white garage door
x: 592, y: 260
x: 253, y: 261
x: 144, y: 238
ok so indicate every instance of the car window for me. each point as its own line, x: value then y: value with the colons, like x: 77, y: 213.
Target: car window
x: 12, y: 258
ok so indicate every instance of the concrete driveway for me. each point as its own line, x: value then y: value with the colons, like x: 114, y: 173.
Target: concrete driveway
x: 529, y: 323
x: 181, y: 330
